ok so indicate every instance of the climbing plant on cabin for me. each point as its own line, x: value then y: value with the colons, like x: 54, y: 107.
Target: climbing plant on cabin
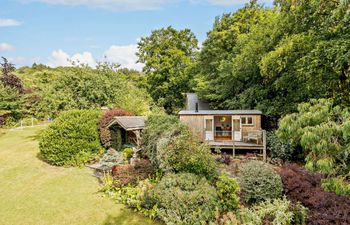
x: 323, y: 130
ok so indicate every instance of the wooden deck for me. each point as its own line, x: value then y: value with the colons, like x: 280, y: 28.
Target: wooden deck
x: 237, y: 145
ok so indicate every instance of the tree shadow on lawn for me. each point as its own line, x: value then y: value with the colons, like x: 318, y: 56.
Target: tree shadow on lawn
x: 36, y: 136
x: 128, y: 217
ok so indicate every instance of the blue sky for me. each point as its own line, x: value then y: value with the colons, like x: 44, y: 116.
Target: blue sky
x: 52, y: 31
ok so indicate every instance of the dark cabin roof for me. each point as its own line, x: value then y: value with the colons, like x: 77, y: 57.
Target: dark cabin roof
x: 220, y: 112
x: 191, y: 101
x: 129, y: 122
x: 204, y: 109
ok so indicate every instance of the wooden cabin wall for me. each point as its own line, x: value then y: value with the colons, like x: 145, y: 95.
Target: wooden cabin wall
x: 256, y: 126
x: 195, y: 123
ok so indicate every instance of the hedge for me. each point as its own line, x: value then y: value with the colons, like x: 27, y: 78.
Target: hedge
x: 72, y: 139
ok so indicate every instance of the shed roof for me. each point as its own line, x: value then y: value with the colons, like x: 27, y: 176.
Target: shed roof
x: 129, y: 122
x: 220, y: 112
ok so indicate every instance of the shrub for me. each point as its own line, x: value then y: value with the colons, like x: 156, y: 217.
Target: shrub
x: 305, y: 187
x: 136, y: 197
x: 279, y: 149
x: 172, y: 148
x: 323, y: 131
x: 277, y: 211
x: 111, y: 158
x: 130, y: 174
x: 336, y: 185
x: 227, y: 218
x: 71, y: 139
x: 185, y: 199
x: 156, y: 126
x: 227, y: 189
x: 259, y: 182
x: 224, y: 158
x: 181, y: 152
x: 128, y: 153
x: 105, y: 134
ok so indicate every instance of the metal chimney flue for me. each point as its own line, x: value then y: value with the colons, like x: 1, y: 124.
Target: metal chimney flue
x: 196, y: 106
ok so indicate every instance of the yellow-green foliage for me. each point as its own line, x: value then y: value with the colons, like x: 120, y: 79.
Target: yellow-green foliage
x: 128, y: 152
x: 277, y: 212
x: 323, y: 131
x: 228, y: 190
x: 72, y: 139
x: 173, y: 148
x: 186, y: 199
x: 82, y: 87
x: 337, y: 185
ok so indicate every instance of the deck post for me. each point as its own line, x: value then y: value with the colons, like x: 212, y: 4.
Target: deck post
x: 233, y: 144
x: 264, y: 144
x: 233, y: 150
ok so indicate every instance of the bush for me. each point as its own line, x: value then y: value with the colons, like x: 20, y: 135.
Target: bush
x: 227, y: 189
x: 259, y: 182
x: 104, y: 121
x: 128, y: 153
x: 279, y: 149
x: 130, y: 174
x: 224, y: 158
x: 172, y: 148
x: 136, y: 197
x: 336, y: 185
x: 71, y: 139
x: 185, y: 199
x: 111, y: 158
x: 277, y: 211
x: 156, y: 126
x: 322, y: 129
x: 305, y: 187
x: 181, y: 152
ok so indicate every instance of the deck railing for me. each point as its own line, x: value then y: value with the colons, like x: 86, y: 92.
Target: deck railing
x: 223, y: 133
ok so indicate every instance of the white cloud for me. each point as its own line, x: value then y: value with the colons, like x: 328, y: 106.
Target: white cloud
x: 9, y: 23
x: 125, y: 55
x: 236, y: 2
x: 24, y: 61
x: 6, y: 47
x: 110, y: 4
x: 61, y: 58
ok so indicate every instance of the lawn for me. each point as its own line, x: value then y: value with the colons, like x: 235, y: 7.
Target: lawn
x: 33, y: 192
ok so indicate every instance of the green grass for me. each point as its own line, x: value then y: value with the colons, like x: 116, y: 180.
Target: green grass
x: 33, y: 192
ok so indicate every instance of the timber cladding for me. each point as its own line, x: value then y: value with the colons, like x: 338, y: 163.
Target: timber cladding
x: 196, y: 123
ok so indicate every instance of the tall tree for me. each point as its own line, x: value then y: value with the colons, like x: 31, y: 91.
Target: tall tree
x: 169, y: 56
x: 296, y: 51
x: 11, y: 93
x: 8, y: 78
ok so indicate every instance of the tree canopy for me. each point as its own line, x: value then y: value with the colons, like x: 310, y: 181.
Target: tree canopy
x: 274, y: 58
x: 169, y: 56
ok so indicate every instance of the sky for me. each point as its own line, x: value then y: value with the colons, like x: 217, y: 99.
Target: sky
x: 55, y: 32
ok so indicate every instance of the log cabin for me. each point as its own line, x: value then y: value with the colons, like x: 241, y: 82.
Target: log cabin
x: 224, y: 129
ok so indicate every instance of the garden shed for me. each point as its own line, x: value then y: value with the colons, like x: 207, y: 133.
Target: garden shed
x: 224, y: 129
x: 128, y: 129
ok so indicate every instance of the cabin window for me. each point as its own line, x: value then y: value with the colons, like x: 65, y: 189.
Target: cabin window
x: 247, y: 120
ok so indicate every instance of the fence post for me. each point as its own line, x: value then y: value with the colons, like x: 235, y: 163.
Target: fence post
x: 32, y: 122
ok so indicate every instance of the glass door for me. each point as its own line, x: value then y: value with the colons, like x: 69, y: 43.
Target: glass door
x: 209, y: 128
x: 236, y: 128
